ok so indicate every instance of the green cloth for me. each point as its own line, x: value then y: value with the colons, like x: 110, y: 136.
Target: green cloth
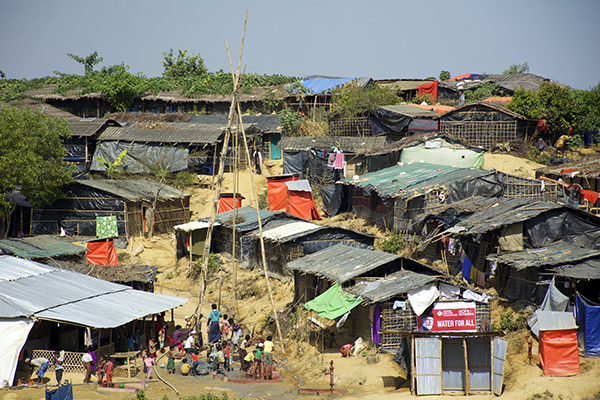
x: 106, y: 227
x: 333, y: 303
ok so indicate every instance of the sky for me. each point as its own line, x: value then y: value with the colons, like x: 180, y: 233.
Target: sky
x: 380, y: 39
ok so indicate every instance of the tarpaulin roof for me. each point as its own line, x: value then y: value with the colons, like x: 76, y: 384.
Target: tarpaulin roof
x: 348, y: 144
x: 464, y: 76
x: 333, y: 303
x: 506, y: 211
x: 435, y: 108
x: 392, y: 285
x: 60, y: 295
x: 192, y: 226
x: 588, y: 269
x: 558, y: 253
x: 324, y: 85
x: 482, y: 106
x: 246, y: 219
x: 136, y: 190
x: 301, y: 185
x: 411, y: 180
x: 341, y: 263
x: 266, y: 122
x: 410, y: 110
x: 41, y: 246
x: 291, y: 230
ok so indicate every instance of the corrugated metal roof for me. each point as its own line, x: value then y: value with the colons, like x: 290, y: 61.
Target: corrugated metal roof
x: 85, y: 128
x: 348, y: 144
x: 412, y: 179
x: 293, y: 228
x: 340, y: 263
x: 558, y: 253
x: 301, y: 185
x: 505, y: 212
x: 555, y: 320
x: 392, y: 285
x: 39, y: 290
x: 266, y: 123
x: 414, y: 112
x: 136, y: 190
x: 171, y: 133
x: 42, y: 246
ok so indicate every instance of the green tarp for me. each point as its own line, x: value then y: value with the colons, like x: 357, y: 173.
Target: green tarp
x: 333, y: 303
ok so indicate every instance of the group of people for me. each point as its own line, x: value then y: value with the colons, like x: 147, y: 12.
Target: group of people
x: 257, y: 363
x: 42, y: 364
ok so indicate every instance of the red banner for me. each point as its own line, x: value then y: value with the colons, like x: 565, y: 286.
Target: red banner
x: 449, y: 317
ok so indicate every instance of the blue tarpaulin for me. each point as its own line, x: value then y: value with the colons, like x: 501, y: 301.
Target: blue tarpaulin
x: 64, y: 392
x: 588, y: 320
x: 324, y: 85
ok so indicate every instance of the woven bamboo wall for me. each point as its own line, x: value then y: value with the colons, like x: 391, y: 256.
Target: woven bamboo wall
x: 395, y: 320
x: 350, y: 127
x: 167, y: 214
x: 72, y: 361
x: 516, y: 186
x: 480, y: 133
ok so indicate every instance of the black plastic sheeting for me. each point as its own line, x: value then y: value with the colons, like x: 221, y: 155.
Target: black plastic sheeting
x: 393, y: 121
x: 467, y: 114
x: 485, y: 186
x: 76, y: 149
x: 563, y: 224
x: 295, y: 163
x: 141, y: 156
x: 381, y: 161
x: 332, y: 198
x: 77, y: 213
x: 181, y: 244
x: 402, y: 356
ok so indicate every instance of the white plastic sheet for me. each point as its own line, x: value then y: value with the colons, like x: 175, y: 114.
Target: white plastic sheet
x: 14, y: 332
x: 421, y: 298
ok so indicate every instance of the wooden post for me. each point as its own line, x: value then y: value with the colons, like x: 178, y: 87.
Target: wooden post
x: 413, y: 369
x: 492, y: 364
x: 441, y: 372
x: 467, y: 374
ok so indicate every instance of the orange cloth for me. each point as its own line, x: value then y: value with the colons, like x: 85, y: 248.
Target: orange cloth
x: 430, y: 88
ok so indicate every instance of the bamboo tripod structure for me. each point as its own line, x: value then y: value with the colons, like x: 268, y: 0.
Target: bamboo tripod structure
x: 235, y: 111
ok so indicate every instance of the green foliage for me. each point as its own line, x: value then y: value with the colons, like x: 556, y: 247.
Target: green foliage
x: 482, y: 92
x: 538, y: 156
x: 292, y: 122
x: 444, y: 76
x: 270, y: 102
x: 212, y: 269
x: 352, y: 100
x: 510, y: 321
x: 526, y: 103
x: 120, y: 88
x: 394, y: 243
x: 558, y: 106
x: 425, y: 97
x: 183, y: 65
x: 114, y: 168
x: 587, y: 111
x: 184, y: 179
x: 88, y: 62
x: 517, y: 69
x: 263, y: 199
x: 32, y: 158
x: 545, y: 395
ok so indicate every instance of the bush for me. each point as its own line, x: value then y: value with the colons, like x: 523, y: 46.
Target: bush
x: 394, y: 243
x: 184, y: 179
x: 263, y: 200
x: 510, y: 321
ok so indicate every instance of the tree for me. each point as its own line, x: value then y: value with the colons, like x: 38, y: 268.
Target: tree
x: 120, y: 87
x: 526, y: 103
x: 558, y: 106
x: 587, y: 114
x: 183, y: 66
x: 444, y: 76
x: 351, y: 99
x: 517, y: 69
x: 88, y: 62
x: 31, y: 158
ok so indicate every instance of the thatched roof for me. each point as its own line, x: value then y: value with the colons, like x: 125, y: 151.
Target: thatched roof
x: 36, y: 105
x: 112, y: 273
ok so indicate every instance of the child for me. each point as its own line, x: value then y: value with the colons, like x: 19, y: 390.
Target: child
x: 529, y: 348
x: 149, y: 362
x: 258, y: 353
x: 161, y: 336
x: 152, y: 348
x: 109, y: 371
x: 227, y: 356
x: 171, y: 360
x: 59, y: 359
x: 225, y: 327
x: 101, y: 369
x: 185, y: 367
x: 268, y: 357
x: 220, y: 360
x: 243, y: 353
x: 236, y: 333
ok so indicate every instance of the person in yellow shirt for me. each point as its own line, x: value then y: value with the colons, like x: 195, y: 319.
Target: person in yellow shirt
x: 185, y: 367
x: 268, y: 357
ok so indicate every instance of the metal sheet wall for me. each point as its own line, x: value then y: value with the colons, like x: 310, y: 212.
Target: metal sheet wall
x: 480, y: 365
x: 453, y: 365
x: 428, y: 366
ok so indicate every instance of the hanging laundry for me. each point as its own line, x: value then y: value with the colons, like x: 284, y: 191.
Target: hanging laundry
x: 452, y: 246
x: 466, y: 270
x: 331, y: 160
x: 339, y: 161
x: 473, y: 275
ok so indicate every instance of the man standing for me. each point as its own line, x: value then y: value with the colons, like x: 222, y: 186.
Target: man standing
x: 87, y: 361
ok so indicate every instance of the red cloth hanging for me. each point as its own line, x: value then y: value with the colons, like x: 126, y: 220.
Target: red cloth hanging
x: 430, y: 88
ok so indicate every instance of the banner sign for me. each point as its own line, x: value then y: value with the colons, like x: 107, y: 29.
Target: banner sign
x: 449, y: 317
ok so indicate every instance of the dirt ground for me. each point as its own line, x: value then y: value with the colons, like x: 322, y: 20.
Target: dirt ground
x: 303, y: 364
